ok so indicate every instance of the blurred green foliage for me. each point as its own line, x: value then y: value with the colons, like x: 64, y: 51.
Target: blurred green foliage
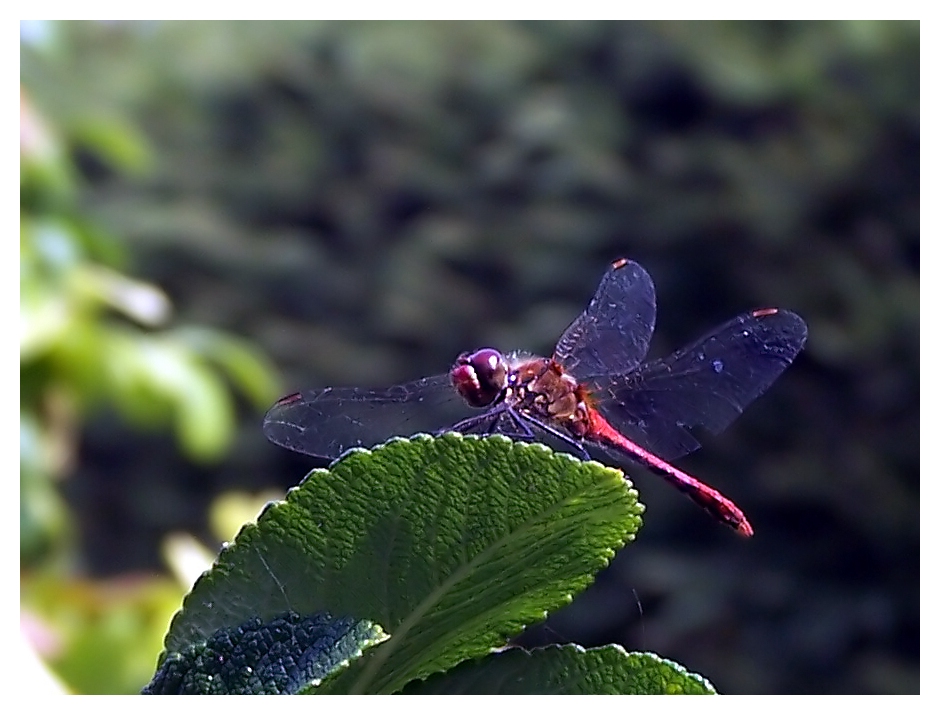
x: 366, y: 200
x: 99, y: 637
x: 88, y: 333
x: 90, y: 336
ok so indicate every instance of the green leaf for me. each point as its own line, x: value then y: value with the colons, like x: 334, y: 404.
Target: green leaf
x: 565, y: 670
x: 453, y: 544
x: 281, y: 656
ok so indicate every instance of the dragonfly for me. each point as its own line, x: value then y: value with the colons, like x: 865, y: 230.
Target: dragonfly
x: 594, y: 393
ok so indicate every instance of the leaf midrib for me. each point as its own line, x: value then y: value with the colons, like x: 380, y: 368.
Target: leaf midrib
x: 389, y: 647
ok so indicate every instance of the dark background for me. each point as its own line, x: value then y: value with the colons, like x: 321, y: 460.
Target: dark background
x: 366, y: 200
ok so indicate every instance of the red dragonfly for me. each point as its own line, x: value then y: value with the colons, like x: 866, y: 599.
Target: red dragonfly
x: 594, y: 392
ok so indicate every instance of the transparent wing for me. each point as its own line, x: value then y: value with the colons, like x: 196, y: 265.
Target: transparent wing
x: 707, y: 384
x: 325, y: 423
x: 612, y: 336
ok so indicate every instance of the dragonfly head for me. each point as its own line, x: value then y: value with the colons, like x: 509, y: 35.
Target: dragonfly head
x: 480, y: 377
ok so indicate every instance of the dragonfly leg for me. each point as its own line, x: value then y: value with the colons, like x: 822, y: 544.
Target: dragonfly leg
x: 479, y: 424
x: 575, y: 444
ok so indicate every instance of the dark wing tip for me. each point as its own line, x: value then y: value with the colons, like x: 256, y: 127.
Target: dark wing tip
x: 785, y: 324
x: 632, y: 267
x: 281, y: 430
x: 287, y: 400
x: 761, y: 312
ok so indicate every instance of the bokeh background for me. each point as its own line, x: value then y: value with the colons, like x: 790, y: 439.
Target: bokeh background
x: 217, y: 213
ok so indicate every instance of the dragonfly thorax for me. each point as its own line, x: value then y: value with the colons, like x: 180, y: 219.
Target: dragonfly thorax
x: 541, y: 387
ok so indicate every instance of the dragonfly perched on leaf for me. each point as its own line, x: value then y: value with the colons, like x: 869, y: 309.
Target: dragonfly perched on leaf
x: 595, y: 391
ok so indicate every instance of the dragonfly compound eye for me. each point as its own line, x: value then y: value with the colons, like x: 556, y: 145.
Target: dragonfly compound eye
x: 480, y: 377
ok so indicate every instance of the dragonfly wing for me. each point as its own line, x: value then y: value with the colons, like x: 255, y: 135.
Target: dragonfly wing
x: 612, y: 336
x: 707, y: 384
x: 325, y: 423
